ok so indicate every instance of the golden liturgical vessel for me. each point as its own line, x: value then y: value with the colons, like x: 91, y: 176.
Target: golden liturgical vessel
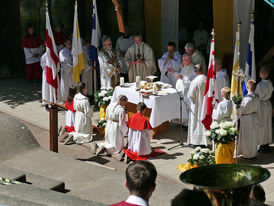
x: 226, y: 184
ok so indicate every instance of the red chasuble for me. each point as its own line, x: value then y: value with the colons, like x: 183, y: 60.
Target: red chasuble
x: 139, y: 122
x: 59, y: 38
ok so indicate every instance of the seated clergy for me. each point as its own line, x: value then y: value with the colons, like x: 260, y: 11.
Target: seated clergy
x: 139, y: 134
x: 170, y: 59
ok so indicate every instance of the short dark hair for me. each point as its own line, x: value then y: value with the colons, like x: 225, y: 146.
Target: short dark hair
x: 141, y: 106
x: 191, y: 197
x: 141, y: 177
x: 71, y: 93
x: 80, y: 87
x: 171, y: 43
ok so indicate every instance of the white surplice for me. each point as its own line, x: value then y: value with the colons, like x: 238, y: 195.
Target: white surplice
x: 198, y: 58
x: 106, y: 70
x: 139, y: 141
x: 174, y: 63
x: 249, y: 128
x: 264, y: 89
x: 122, y: 45
x: 48, y: 92
x: 196, y: 129
x: 182, y: 85
x: 145, y: 53
x: 66, y: 81
x: 83, y: 123
x: 86, y: 75
x: 223, y: 111
x: 116, y: 128
x: 222, y: 80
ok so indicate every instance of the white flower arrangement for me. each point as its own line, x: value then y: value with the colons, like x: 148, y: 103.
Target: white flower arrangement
x: 202, y: 157
x: 110, y: 88
x: 103, y: 88
x: 223, y: 132
x: 103, y: 96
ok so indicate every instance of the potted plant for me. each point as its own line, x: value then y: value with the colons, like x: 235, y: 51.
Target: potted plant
x: 223, y: 134
x: 101, y: 126
x: 102, y: 98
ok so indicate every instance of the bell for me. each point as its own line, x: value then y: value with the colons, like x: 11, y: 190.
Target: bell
x: 226, y: 184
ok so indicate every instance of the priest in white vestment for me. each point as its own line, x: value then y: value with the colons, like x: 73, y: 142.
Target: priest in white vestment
x: 84, y: 113
x: 122, y: 44
x: 196, y: 129
x: 140, y: 60
x: 249, y: 128
x: 86, y: 75
x: 222, y: 79
x: 110, y: 66
x: 264, y: 89
x: 223, y: 110
x: 196, y: 56
x: 116, y: 127
x: 170, y: 59
x: 66, y: 81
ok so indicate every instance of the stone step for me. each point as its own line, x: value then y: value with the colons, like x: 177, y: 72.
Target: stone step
x: 6, y: 200
x: 26, y: 192
x: 12, y: 174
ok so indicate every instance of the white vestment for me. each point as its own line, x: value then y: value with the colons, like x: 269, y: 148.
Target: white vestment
x: 139, y: 141
x: 222, y: 80
x: 182, y: 85
x: 196, y: 129
x: 249, y: 130
x: 83, y: 123
x: 223, y: 111
x: 122, y: 46
x: 66, y: 73
x: 197, y: 58
x: 48, y: 92
x: 107, y: 71
x: 148, y: 67
x: 116, y: 128
x: 29, y: 52
x: 264, y: 89
x: 86, y: 75
x: 174, y: 63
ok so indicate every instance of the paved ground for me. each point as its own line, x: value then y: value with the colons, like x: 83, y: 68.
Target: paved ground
x: 21, y: 99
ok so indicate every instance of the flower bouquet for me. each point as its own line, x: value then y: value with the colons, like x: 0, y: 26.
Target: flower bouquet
x: 198, y: 158
x: 102, y: 125
x: 102, y: 98
x: 223, y: 134
x: 237, y: 99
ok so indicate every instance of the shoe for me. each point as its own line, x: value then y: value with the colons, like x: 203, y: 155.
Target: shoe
x: 70, y: 140
x: 99, y: 150
x: 64, y: 137
x: 93, y: 147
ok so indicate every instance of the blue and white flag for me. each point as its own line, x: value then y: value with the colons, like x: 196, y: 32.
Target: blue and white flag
x: 96, y: 34
x: 250, y: 67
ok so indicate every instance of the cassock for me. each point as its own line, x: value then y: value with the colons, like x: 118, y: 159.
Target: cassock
x: 223, y: 111
x: 108, y: 71
x: 116, y: 128
x: 32, y: 45
x: 197, y: 58
x: 70, y: 117
x: 139, y: 134
x: 59, y: 39
x: 249, y: 129
x: 137, y: 53
x: 122, y: 45
x: 83, y: 124
x: 174, y: 63
x: 182, y: 85
x: 66, y: 73
x: 264, y: 89
x: 222, y: 80
x: 87, y: 73
x: 49, y: 93
x: 132, y: 200
x: 196, y: 129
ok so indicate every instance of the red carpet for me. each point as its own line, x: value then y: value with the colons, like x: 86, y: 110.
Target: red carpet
x: 134, y: 155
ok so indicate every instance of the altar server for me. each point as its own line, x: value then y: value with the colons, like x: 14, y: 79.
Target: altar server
x: 116, y: 127
x: 84, y: 113
x: 32, y: 45
x: 196, y: 129
x: 264, y: 89
x: 140, y: 60
x: 248, y: 140
x: 139, y: 133
x: 66, y: 70
x: 224, y: 109
x: 123, y: 43
x: 222, y: 79
x: 110, y: 66
x: 170, y: 59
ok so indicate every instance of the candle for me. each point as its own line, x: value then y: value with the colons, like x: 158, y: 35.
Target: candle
x: 154, y: 89
x: 122, y: 81
x: 138, y: 79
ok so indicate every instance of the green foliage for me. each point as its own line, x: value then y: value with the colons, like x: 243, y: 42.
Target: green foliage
x: 237, y: 99
x: 103, y: 96
x: 102, y: 124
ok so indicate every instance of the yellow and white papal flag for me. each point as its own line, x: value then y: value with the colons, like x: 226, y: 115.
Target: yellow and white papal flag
x: 77, y: 50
